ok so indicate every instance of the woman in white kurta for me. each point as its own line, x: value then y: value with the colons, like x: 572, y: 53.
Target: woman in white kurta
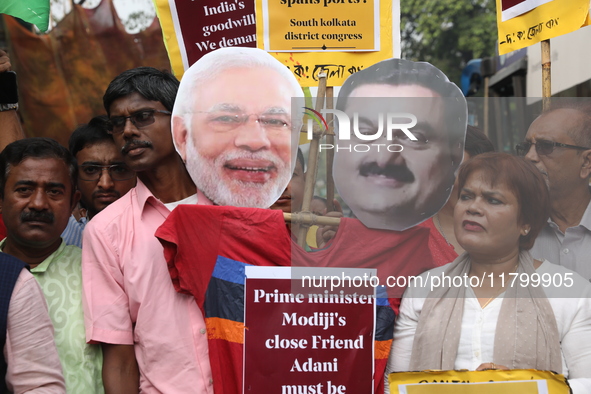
x: 488, y: 324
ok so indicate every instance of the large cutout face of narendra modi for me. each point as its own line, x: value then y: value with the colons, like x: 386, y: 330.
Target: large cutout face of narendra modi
x: 232, y: 126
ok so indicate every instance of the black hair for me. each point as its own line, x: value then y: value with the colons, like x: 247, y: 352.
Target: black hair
x: 477, y: 142
x: 91, y: 133
x: 152, y: 84
x: 400, y: 72
x: 300, y: 159
x: 37, y: 148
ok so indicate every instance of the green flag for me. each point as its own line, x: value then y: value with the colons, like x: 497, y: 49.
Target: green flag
x: 32, y: 11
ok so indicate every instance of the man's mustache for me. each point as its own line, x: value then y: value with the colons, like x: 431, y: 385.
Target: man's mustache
x: 133, y: 144
x: 398, y: 172
x: 37, y: 216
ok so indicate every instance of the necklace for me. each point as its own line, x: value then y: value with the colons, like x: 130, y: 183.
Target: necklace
x: 440, y: 228
x: 500, y: 291
x: 492, y: 298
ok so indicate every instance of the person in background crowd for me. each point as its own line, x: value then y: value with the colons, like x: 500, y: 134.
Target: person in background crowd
x: 318, y: 206
x: 558, y: 142
x: 131, y: 306
x: 10, y: 123
x: 293, y: 195
x: 37, y: 192
x: 29, y: 362
x: 443, y: 221
x: 103, y: 176
x: 292, y: 198
x: 503, y: 204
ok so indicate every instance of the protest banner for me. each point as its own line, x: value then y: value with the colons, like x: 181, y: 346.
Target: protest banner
x: 515, y: 381
x: 542, y: 20
x: 307, y: 342
x: 340, y: 37
x: 513, y: 8
x: 222, y: 23
x: 333, y: 26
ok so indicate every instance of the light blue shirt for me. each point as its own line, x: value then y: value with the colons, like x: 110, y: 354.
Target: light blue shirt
x: 72, y: 235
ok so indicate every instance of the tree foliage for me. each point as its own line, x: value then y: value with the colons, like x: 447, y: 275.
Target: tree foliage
x: 448, y: 33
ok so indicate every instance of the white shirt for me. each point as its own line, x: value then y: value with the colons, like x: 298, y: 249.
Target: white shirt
x: 189, y: 200
x: 573, y: 317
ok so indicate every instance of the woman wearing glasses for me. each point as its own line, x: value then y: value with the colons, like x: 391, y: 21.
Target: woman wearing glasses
x: 542, y: 322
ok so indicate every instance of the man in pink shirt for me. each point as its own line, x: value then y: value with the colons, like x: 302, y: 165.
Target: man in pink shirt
x: 153, y: 338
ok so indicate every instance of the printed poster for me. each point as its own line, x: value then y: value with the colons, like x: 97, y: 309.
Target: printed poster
x: 513, y: 8
x: 515, y: 381
x: 193, y: 28
x: 306, y: 341
x: 321, y: 25
x: 542, y: 20
x: 311, y: 53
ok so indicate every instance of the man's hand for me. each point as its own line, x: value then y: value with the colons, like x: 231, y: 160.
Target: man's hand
x: 326, y: 233
x: 4, y: 61
x: 120, y: 371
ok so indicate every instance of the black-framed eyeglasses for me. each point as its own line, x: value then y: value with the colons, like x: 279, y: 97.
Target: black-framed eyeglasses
x: 139, y: 119
x: 117, y: 172
x: 543, y: 147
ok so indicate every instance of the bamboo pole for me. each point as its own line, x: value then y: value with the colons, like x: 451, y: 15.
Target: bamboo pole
x: 486, y: 109
x: 311, y: 219
x: 546, y: 74
x: 330, y: 152
x: 312, y: 162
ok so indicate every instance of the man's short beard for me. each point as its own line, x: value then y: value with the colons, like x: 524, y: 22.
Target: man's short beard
x: 208, y: 177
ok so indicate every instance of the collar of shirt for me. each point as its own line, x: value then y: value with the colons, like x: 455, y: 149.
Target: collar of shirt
x: 42, y: 267
x: 144, y: 195
x: 585, y: 220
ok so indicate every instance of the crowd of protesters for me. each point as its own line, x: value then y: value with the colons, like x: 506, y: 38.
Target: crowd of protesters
x: 87, y: 304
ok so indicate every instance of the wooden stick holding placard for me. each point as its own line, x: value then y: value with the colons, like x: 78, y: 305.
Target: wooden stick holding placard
x: 311, y: 219
x: 330, y: 152
x: 312, y: 162
x: 546, y: 74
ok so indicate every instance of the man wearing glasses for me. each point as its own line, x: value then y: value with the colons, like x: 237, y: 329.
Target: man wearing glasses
x: 558, y: 142
x: 103, y: 176
x: 153, y: 338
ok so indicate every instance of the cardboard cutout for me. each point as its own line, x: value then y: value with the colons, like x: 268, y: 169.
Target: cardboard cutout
x: 232, y: 125
x: 400, y: 140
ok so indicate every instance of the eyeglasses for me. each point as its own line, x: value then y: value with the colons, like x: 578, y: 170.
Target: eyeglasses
x: 223, y: 121
x: 139, y: 119
x: 117, y: 172
x: 543, y: 147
